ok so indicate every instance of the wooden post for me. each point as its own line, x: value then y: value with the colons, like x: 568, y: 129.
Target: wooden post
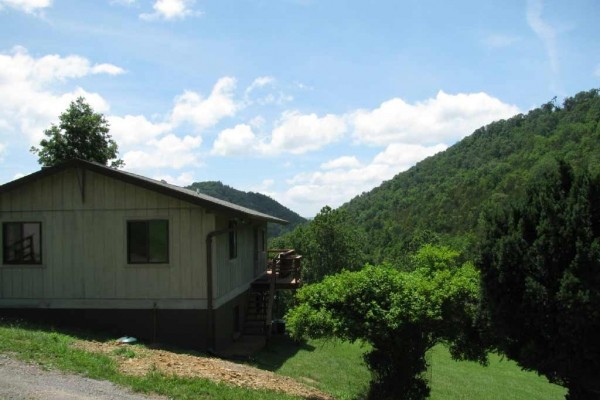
x: 274, y: 271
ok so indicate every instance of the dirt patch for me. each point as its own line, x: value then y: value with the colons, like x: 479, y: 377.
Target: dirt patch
x: 138, y: 361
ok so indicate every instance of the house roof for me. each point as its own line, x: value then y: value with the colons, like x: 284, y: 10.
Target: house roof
x: 167, y: 189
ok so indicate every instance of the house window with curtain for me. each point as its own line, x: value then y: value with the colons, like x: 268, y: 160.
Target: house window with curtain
x: 148, y: 241
x: 22, y: 242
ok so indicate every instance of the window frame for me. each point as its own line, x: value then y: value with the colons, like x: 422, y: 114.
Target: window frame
x: 147, y: 223
x: 232, y: 241
x: 4, y: 246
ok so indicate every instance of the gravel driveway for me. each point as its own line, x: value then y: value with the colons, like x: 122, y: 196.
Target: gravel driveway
x: 22, y: 381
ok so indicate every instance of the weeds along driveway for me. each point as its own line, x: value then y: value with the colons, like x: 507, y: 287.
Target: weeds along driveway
x: 22, y: 381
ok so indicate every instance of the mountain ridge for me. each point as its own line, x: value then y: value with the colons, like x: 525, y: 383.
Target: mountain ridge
x: 254, y: 200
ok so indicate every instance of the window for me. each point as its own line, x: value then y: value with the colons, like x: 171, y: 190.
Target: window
x: 148, y: 241
x: 232, y: 240
x: 22, y: 242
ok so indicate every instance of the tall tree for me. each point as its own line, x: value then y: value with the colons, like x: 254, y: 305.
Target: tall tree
x: 540, y: 274
x: 81, y: 133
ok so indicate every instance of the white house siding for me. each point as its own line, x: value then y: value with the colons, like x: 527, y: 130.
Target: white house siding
x: 84, y: 246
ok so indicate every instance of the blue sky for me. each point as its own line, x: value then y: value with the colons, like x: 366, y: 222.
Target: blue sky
x: 311, y: 102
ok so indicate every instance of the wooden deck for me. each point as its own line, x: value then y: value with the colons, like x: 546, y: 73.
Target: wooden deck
x: 283, y: 272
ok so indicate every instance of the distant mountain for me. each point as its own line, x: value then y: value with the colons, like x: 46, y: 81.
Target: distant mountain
x: 255, y: 201
x: 444, y: 194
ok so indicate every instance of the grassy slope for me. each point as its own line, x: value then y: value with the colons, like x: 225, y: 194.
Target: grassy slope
x: 53, y: 350
x: 334, y: 367
x: 337, y: 368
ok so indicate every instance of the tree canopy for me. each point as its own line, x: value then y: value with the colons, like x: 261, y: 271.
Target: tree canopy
x: 328, y: 243
x: 400, y: 314
x: 540, y: 278
x: 445, y: 193
x: 81, y: 133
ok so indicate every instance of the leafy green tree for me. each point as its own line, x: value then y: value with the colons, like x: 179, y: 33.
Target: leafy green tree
x: 540, y: 277
x: 400, y: 314
x: 328, y: 244
x: 82, y: 134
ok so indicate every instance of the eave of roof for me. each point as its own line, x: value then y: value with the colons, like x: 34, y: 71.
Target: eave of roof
x: 190, y: 196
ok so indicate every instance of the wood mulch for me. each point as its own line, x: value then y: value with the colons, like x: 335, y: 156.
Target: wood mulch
x: 146, y: 360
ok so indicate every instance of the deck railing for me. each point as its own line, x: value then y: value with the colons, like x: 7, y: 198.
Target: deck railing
x: 285, y: 263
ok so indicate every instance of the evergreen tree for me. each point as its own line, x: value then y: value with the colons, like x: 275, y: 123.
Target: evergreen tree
x: 540, y: 274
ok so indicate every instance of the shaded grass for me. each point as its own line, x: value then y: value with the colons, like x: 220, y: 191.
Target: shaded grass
x: 52, y: 350
x: 332, y: 366
x: 338, y: 368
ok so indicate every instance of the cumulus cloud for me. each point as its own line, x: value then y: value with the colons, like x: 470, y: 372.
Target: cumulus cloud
x: 298, y: 133
x: 29, y: 103
x: 135, y: 129
x: 294, y: 133
x: 234, y: 141
x: 167, y: 152
x: 342, y: 162
x: 544, y: 31
x: 171, y: 10
x: 206, y: 112
x: 445, y: 118
x: 333, y: 186
x: 28, y: 6
x: 107, y: 69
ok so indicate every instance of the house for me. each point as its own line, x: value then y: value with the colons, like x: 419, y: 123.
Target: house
x: 110, y: 249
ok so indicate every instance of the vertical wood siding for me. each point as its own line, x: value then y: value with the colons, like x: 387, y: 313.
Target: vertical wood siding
x: 238, y: 272
x: 84, y: 244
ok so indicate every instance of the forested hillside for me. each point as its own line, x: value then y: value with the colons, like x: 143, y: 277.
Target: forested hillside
x: 442, y: 195
x: 255, y: 201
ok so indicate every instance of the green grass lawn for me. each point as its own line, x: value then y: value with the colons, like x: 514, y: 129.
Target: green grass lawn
x: 338, y: 368
x: 331, y: 366
x: 52, y: 350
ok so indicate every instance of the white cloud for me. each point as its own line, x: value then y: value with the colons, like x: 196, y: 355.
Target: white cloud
x: 234, y: 141
x: 28, y: 6
x: 260, y: 82
x: 29, y: 103
x: 135, y: 129
x: 499, y: 40
x: 298, y: 133
x: 544, y: 31
x: 205, y: 113
x: 342, y: 162
x: 168, y: 152
x: 2, y: 150
x: 107, y: 69
x: 308, y: 192
x: 261, y: 91
x: 171, y: 10
x: 445, y: 118
x: 183, y: 179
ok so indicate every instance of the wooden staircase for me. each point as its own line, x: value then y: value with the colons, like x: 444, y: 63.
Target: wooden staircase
x: 256, y: 312
x: 283, y: 273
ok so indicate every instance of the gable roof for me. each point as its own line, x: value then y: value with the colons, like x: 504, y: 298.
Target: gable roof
x: 190, y: 196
